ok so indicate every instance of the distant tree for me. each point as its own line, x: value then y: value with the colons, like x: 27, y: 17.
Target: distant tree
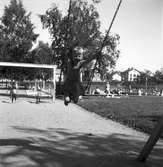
x: 42, y: 54
x: 158, y: 76
x: 148, y: 73
x: 16, y: 33
x: 146, y: 77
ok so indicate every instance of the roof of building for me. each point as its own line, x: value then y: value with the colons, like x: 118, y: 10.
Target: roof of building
x: 130, y: 69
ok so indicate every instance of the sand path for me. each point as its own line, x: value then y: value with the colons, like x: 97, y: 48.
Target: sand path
x: 54, y: 135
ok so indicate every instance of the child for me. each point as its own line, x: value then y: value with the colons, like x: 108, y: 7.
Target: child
x: 12, y: 94
x: 72, y: 85
x: 37, y: 94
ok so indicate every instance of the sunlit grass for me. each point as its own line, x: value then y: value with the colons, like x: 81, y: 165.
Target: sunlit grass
x: 141, y: 113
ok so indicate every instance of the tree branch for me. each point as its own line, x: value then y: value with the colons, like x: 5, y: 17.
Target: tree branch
x: 98, y: 53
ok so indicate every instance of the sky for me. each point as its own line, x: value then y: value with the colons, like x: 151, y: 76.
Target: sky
x: 139, y: 24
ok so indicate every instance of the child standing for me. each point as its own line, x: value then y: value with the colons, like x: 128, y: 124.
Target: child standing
x: 12, y: 94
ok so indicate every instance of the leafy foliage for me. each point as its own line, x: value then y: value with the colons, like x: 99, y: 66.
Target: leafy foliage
x: 16, y: 34
x: 158, y: 76
x: 42, y: 54
x: 80, y: 28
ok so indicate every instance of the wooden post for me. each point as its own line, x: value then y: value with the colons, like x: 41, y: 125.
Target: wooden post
x: 151, y: 141
x: 54, y: 85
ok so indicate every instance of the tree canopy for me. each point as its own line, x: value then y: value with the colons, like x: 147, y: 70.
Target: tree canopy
x: 80, y: 29
x: 16, y: 34
x: 42, y: 54
x: 158, y: 76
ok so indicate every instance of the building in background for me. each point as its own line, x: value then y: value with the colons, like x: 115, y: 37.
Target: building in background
x: 131, y: 74
x: 117, y: 76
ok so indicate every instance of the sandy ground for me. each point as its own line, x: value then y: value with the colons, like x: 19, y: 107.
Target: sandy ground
x: 53, y: 135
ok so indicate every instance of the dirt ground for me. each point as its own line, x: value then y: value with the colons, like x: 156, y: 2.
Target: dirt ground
x: 53, y: 135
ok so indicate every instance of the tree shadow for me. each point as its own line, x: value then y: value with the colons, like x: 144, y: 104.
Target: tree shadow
x: 34, y: 102
x: 64, y: 148
x: 154, y: 118
x: 5, y: 101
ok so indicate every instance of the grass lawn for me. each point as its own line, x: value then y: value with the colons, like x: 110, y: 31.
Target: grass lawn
x: 141, y: 113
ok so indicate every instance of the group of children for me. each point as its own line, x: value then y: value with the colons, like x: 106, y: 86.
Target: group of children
x: 13, y: 93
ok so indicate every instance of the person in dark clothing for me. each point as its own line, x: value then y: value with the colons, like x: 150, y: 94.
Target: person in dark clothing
x: 38, y: 94
x: 12, y: 94
x: 72, y: 84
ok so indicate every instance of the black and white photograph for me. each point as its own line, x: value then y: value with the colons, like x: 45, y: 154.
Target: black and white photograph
x: 81, y: 83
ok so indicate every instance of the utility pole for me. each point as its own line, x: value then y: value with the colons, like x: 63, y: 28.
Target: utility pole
x: 146, y: 85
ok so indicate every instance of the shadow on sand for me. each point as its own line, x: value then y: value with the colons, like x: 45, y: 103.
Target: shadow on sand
x: 64, y: 148
x: 34, y: 102
x: 5, y: 101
